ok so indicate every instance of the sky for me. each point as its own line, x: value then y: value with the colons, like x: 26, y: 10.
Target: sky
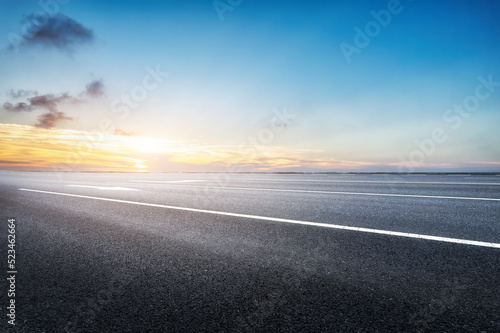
x: 250, y: 86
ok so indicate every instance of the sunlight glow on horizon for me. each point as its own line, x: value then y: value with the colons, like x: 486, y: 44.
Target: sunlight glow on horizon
x: 30, y: 148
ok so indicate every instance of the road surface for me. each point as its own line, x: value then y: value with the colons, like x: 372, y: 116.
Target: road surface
x: 131, y: 252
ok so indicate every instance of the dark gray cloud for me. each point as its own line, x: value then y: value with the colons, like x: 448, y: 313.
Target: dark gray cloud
x: 19, y: 107
x: 51, y: 103
x: 20, y: 93
x: 95, y: 89
x: 51, y: 119
x: 59, y: 31
x: 48, y: 102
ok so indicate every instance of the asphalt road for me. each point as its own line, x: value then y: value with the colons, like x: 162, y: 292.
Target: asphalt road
x: 252, y: 252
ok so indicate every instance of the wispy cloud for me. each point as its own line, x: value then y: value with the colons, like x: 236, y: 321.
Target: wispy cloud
x: 33, y: 148
x: 121, y: 132
x: 20, y: 93
x: 30, y: 148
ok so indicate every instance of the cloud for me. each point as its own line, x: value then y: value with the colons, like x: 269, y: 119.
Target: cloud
x: 20, y: 93
x: 51, y: 119
x: 19, y: 107
x: 95, y: 89
x: 52, y: 102
x: 48, y: 102
x: 121, y: 132
x: 59, y: 31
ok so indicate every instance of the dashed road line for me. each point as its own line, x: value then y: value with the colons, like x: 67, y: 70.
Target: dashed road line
x: 340, y: 192
x: 106, y: 188
x: 321, y: 181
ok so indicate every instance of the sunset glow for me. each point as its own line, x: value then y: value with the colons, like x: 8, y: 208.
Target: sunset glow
x: 29, y: 148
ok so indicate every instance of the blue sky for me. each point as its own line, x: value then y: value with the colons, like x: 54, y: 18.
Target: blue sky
x: 225, y: 78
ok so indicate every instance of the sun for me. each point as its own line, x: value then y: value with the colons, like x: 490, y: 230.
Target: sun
x: 141, y: 167
x: 146, y: 145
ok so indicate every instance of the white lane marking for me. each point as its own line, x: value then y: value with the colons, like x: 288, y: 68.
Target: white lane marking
x: 334, y: 192
x: 107, y: 188
x: 276, y: 219
x: 169, y: 181
x: 321, y: 181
